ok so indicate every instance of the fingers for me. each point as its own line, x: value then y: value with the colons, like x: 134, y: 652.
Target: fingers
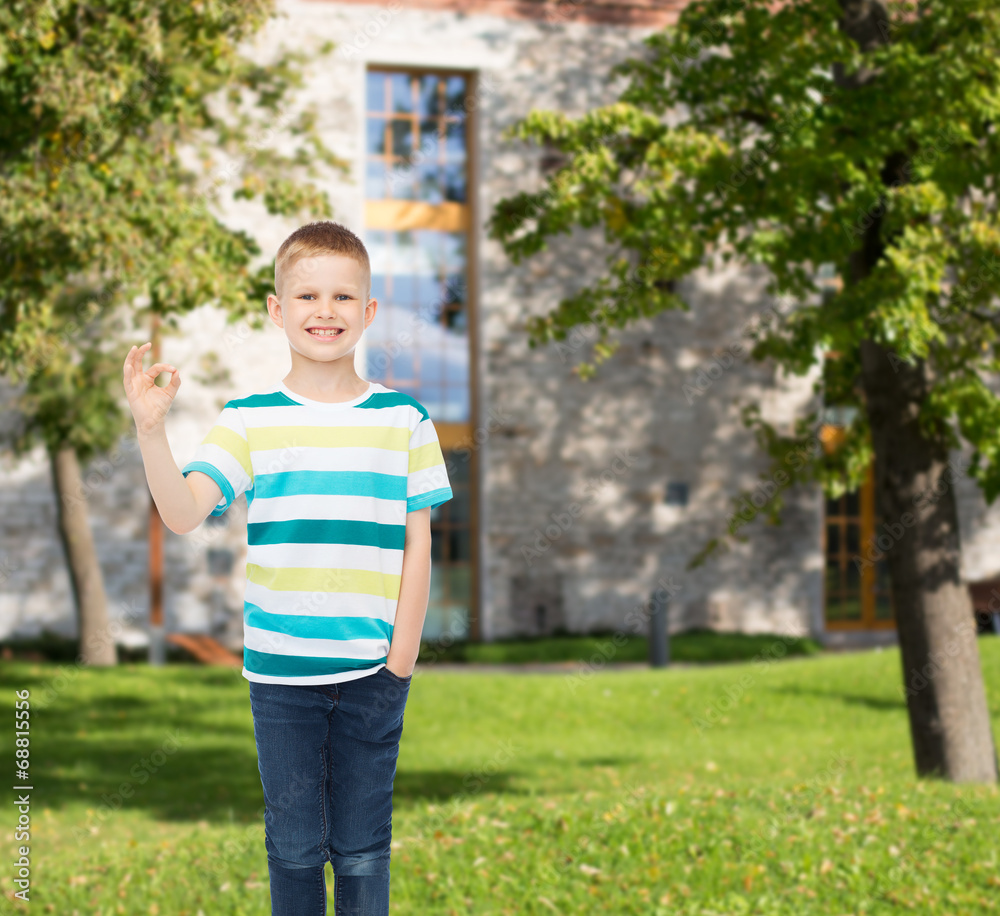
x: 133, y: 367
x: 135, y: 356
x: 134, y: 361
x: 175, y: 383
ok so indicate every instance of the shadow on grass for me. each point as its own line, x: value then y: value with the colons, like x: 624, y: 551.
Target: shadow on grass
x: 605, y: 761
x: 215, y: 784
x: 855, y: 699
x: 443, y: 785
x: 223, y: 786
x: 101, y: 749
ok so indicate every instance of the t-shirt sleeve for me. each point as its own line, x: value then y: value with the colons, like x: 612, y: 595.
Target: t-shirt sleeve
x: 427, y: 483
x: 224, y: 455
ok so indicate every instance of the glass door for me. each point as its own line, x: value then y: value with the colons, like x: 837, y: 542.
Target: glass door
x: 856, y: 592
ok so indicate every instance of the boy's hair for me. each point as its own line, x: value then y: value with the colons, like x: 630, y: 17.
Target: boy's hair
x: 320, y: 238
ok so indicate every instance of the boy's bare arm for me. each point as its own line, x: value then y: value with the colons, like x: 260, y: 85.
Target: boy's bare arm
x: 183, y: 503
x: 414, y: 593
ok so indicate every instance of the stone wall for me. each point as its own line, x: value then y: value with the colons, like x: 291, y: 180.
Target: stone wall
x: 575, y: 529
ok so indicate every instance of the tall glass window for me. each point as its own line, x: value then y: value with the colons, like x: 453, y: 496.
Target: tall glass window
x: 418, y: 235
x: 416, y: 137
x: 419, y: 342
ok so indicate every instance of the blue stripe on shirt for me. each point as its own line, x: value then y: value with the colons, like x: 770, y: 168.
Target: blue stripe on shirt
x: 317, y: 627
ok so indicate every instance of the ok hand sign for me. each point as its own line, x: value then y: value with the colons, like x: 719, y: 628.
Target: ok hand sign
x: 149, y: 403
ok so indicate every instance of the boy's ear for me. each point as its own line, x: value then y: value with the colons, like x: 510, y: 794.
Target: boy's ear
x: 274, y: 310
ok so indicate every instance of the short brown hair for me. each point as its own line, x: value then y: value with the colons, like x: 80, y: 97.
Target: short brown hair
x: 319, y: 238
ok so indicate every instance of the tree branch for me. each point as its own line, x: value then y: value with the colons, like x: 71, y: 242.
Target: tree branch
x: 756, y: 117
x: 867, y: 23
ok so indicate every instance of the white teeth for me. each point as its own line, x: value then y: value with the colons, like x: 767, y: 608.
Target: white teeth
x: 324, y: 332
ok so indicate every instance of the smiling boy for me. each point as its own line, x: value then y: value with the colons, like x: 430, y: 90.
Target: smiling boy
x: 341, y: 475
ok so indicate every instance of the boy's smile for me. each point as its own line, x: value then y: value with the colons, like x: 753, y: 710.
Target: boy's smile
x: 323, y: 307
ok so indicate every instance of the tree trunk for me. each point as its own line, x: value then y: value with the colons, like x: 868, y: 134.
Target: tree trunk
x: 97, y: 643
x: 942, y: 675
x: 915, y: 497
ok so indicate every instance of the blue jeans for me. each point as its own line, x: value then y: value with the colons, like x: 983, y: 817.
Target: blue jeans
x: 327, y: 759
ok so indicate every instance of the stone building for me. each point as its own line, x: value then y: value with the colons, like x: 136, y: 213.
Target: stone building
x: 574, y: 501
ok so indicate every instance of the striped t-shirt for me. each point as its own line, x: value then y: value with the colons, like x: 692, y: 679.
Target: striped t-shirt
x: 328, y: 487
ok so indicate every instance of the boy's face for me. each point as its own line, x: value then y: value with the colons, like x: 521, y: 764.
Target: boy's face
x: 319, y: 293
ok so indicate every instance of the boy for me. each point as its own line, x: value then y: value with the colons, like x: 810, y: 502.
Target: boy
x: 340, y: 475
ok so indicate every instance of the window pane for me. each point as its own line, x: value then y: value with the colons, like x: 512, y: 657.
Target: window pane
x: 429, y: 289
x: 431, y: 309
x: 404, y: 289
x: 429, y: 104
x: 853, y: 503
x: 834, y: 608
x: 883, y: 606
x: 456, y: 406
x: 455, y: 288
x: 850, y: 609
x: 376, y: 92
x: 882, y: 574
x: 376, y: 137
x: 375, y: 184
x: 454, y: 252
x: 454, y: 181
x: 459, y: 508
x: 430, y: 142
x: 402, y: 94
x: 432, y: 397
x: 402, y: 362
x: 833, y: 539
x: 883, y: 596
x: 459, y: 577
x: 456, y: 94
x: 378, y: 361
x: 459, y: 546
x: 431, y: 183
x: 402, y: 138
x: 455, y: 140
x: 431, y: 369
x: 456, y: 369
x: 455, y: 320
x: 852, y: 578
x: 401, y: 181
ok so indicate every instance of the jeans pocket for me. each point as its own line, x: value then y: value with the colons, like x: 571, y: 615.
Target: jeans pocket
x: 396, y: 677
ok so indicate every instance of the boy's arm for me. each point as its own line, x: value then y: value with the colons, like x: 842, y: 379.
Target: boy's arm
x: 414, y: 593
x: 183, y: 502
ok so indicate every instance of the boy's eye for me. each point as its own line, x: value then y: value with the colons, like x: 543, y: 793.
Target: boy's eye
x: 311, y: 296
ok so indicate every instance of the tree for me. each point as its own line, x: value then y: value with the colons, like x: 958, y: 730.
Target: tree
x: 817, y: 133
x: 106, y: 220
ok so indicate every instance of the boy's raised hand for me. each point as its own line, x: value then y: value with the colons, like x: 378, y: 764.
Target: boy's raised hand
x: 149, y: 403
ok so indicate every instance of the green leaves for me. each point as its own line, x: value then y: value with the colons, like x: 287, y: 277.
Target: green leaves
x: 732, y: 139
x: 124, y: 127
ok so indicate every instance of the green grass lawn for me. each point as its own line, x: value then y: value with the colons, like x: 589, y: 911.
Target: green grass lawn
x: 775, y: 788
x: 597, y: 648
x: 692, y: 646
